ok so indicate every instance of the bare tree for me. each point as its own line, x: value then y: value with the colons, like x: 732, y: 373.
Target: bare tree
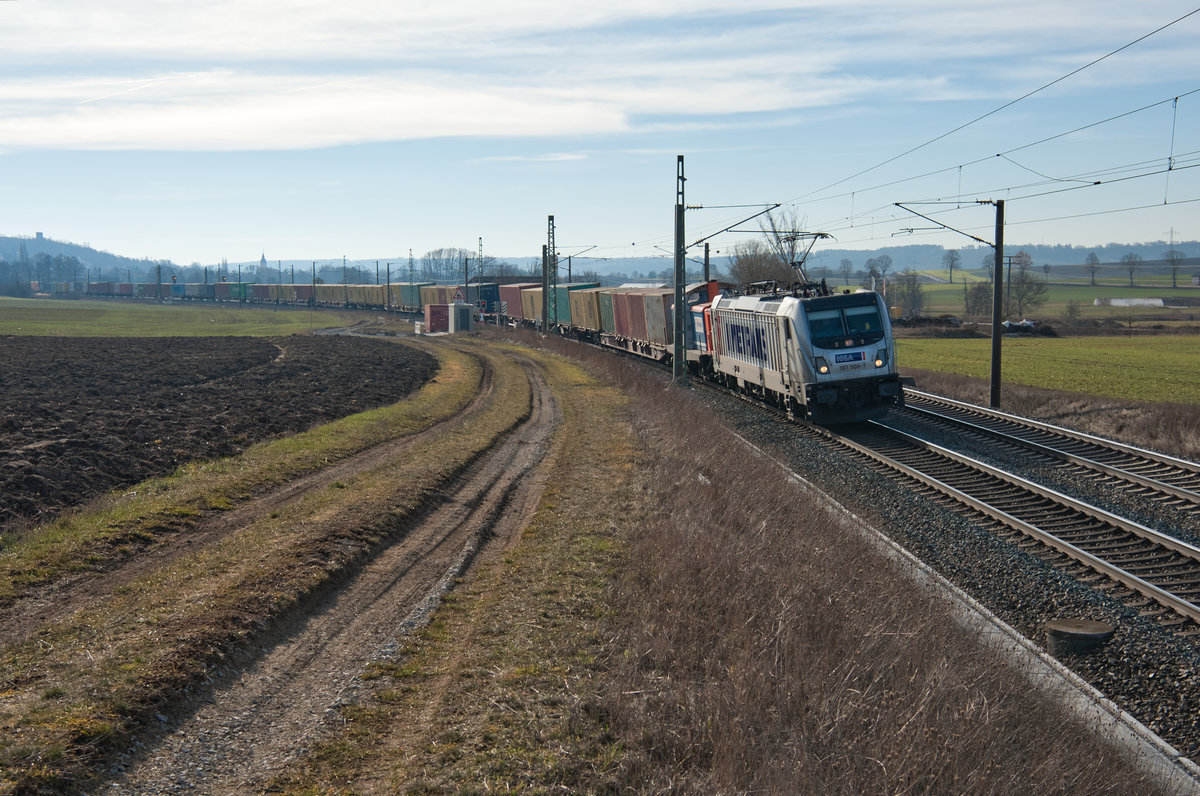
x: 906, y: 293
x: 873, y: 278
x: 1071, y: 313
x: 1028, y: 291
x: 977, y: 299
x: 951, y: 260
x: 989, y: 262
x: 846, y: 269
x: 883, y: 264
x: 1131, y: 262
x: 1092, y: 264
x: 443, y: 263
x: 754, y: 261
x: 1174, y: 260
x: 1022, y: 260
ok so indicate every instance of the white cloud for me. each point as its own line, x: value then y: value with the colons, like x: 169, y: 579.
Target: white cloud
x: 254, y: 74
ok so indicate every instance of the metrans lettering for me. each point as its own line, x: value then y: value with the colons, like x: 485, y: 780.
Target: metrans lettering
x: 745, y: 341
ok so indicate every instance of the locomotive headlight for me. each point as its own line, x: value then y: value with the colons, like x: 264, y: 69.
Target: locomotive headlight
x: 822, y: 366
x: 881, y: 357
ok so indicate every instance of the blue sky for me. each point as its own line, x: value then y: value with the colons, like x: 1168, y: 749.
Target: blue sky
x: 313, y: 130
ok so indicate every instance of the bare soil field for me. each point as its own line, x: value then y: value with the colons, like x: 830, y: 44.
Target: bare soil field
x: 82, y: 416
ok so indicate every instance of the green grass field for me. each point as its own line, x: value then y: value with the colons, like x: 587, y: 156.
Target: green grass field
x: 1165, y: 368
x: 948, y: 299
x: 45, y: 317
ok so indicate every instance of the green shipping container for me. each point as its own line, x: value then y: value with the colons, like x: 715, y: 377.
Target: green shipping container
x: 563, y: 296
x: 605, y: 299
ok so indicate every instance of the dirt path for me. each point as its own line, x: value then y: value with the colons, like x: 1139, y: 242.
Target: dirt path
x: 246, y: 731
x: 64, y: 597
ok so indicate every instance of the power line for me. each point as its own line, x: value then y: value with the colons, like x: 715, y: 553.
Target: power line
x: 1001, y: 108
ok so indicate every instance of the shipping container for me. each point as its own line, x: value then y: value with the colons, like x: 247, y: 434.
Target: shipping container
x: 231, y: 291
x: 605, y: 301
x: 697, y: 330
x: 438, y: 294
x: 621, y: 322
x: 585, y: 308
x: 198, y: 290
x: 562, y: 297
x: 510, y: 298
x: 660, y: 318
x: 637, y: 314
x: 408, y: 294
x: 531, y: 304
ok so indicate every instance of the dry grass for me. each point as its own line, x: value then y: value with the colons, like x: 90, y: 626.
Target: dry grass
x: 74, y: 692
x: 1172, y: 428
x: 498, y: 692
x: 767, y: 649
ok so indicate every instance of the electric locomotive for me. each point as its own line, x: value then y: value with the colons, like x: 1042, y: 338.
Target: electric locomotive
x: 827, y: 357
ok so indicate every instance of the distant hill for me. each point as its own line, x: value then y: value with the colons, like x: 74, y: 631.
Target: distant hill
x: 1065, y: 260
x: 110, y: 267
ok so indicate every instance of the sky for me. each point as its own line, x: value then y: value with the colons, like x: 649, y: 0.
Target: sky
x: 365, y: 129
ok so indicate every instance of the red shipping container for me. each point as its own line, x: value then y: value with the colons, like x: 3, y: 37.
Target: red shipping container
x: 621, y: 312
x: 511, y: 294
x: 637, y: 315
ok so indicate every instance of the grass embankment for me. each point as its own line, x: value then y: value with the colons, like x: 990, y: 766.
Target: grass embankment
x: 1144, y: 391
x: 84, y: 318
x: 1137, y: 369
x: 680, y: 617
x: 74, y: 691
x: 948, y: 299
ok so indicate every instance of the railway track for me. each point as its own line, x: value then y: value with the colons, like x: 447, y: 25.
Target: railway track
x: 1153, y: 572
x: 1142, y: 473
x: 1156, y: 573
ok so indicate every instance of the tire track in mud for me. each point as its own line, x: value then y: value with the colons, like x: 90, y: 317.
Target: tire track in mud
x: 248, y: 730
x: 68, y: 595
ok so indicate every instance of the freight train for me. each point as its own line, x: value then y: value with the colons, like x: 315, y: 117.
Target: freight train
x: 819, y: 355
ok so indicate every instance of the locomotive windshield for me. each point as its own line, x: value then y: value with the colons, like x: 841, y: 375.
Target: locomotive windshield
x: 832, y: 324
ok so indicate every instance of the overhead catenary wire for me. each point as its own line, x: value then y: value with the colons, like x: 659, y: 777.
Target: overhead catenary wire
x: 881, y: 215
x: 1005, y: 106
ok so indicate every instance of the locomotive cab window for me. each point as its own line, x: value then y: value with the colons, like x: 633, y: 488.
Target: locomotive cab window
x: 825, y: 326
x: 842, y: 327
x: 864, y: 322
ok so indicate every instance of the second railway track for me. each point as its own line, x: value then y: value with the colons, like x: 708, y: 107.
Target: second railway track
x: 1153, y: 568
x: 1150, y: 474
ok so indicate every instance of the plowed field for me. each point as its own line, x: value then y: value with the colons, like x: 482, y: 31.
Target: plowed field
x: 83, y: 416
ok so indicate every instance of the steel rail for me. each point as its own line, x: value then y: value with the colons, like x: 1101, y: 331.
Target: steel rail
x: 1183, y: 607
x: 1121, y: 447
x: 1154, y: 484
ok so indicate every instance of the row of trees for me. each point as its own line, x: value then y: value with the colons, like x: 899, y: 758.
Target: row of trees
x: 16, y: 278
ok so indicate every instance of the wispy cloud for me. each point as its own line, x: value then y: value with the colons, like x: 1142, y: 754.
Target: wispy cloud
x: 238, y: 74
